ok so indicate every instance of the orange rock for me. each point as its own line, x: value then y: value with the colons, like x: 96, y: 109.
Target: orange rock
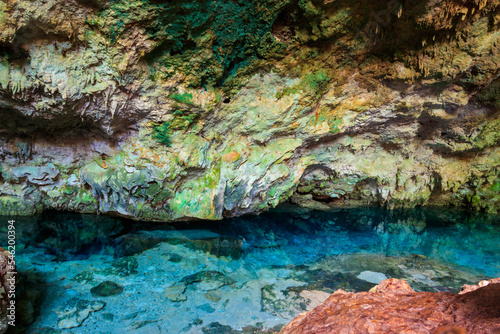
x: 450, y: 330
x: 392, y: 285
x: 394, y: 307
x: 231, y: 157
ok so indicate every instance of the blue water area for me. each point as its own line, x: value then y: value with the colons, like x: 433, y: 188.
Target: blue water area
x: 306, y: 236
x: 252, y: 274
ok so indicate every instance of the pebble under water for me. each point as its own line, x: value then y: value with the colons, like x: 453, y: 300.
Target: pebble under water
x: 98, y: 274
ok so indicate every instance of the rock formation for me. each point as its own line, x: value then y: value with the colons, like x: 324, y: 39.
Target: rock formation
x: 209, y: 109
x: 393, y: 307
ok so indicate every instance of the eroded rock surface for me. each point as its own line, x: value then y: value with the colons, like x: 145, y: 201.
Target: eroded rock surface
x: 393, y: 307
x: 74, y: 312
x: 199, y: 109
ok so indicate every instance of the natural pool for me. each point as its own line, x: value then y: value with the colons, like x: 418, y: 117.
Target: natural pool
x: 251, y: 274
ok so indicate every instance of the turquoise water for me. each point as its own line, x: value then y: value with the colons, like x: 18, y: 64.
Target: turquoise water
x: 251, y: 274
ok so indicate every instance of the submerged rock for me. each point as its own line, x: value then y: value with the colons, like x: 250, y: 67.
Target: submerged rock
x: 107, y: 288
x: 208, y: 280
x: 213, y: 296
x: 74, y: 312
x: 386, y: 309
x: 125, y: 266
x: 175, y: 293
x: 372, y: 277
x: 343, y: 272
x: 205, y: 240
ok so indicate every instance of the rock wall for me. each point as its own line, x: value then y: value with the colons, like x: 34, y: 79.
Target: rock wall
x: 209, y: 109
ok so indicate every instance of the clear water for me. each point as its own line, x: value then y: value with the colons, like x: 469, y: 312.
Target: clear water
x: 251, y: 274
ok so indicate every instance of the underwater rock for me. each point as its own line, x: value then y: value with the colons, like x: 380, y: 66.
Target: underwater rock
x: 106, y: 288
x: 342, y: 272
x: 371, y: 276
x: 215, y: 328
x: 133, y: 244
x: 208, y: 280
x: 315, y: 298
x: 175, y: 293
x: 125, y: 266
x: 213, y: 296
x: 385, y: 309
x: 74, y: 312
x: 223, y: 246
x: 206, y: 308
x: 8, y: 282
x: 205, y: 240
x: 287, y: 298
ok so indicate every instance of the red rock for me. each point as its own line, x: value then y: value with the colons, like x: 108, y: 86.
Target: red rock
x: 469, y: 288
x: 393, y: 307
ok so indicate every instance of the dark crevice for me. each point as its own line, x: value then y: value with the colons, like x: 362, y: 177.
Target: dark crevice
x: 13, y: 124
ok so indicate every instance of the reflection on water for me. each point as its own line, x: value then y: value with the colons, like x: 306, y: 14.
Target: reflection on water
x: 98, y: 274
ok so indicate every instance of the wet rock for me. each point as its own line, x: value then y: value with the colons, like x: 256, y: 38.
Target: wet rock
x: 125, y: 266
x: 223, y: 246
x: 107, y: 288
x: 132, y: 244
x: 175, y: 258
x: 136, y: 243
x: 108, y: 317
x: 284, y: 298
x: 216, y: 328
x: 213, y: 296
x: 84, y: 277
x: 208, y: 280
x: 342, y: 272
x: 333, y: 279
x: 315, y: 298
x: 74, y: 312
x: 175, y: 293
x: 206, y: 308
x: 371, y: 276
x: 386, y: 309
